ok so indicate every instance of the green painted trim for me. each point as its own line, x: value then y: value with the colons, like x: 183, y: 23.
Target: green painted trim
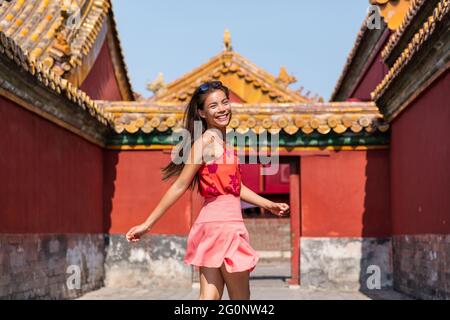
x: 285, y: 140
x: 334, y: 139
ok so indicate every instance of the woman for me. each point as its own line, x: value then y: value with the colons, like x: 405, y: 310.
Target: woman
x: 218, y: 242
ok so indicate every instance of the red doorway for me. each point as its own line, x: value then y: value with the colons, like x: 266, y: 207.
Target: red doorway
x: 281, y: 187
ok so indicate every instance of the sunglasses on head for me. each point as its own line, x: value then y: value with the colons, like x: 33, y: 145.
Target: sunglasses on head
x: 208, y: 85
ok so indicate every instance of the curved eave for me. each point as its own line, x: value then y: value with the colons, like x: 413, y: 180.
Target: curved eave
x: 322, y: 118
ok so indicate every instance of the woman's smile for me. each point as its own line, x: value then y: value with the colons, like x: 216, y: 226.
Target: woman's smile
x: 223, y: 118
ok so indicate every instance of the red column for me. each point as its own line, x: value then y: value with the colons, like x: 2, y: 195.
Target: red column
x: 294, y: 199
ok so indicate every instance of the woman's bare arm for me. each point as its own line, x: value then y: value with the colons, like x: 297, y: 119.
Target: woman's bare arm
x: 251, y: 197
x: 175, y: 191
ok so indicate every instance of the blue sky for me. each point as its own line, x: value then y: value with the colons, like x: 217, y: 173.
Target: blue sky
x: 310, y: 38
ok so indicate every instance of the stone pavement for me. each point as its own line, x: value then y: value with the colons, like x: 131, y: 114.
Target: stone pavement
x: 267, y: 282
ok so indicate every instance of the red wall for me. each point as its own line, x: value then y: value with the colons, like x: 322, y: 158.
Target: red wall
x: 279, y: 182
x: 345, y: 194
x: 51, y: 179
x: 251, y: 175
x: 420, y: 163
x: 133, y: 188
x: 266, y: 184
x: 101, y: 83
x: 55, y: 181
x: 374, y: 75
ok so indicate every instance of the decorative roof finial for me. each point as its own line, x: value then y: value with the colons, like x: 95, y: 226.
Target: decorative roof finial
x: 285, y: 78
x: 158, y: 85
x: 227, y: 40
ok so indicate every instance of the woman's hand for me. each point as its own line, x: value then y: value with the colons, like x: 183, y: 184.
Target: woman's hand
x: 136, y: 232
x: 278, y: 209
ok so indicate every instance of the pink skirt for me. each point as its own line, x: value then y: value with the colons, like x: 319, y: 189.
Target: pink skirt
x: 219, y: 235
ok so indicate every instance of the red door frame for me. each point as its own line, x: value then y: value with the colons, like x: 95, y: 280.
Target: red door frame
x: 295, y: 216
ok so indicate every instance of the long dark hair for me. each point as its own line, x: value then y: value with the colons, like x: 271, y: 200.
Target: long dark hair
x: 190, y: 116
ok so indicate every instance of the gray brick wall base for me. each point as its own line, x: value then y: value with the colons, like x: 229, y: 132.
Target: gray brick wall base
x: 155, y: 260
x: 346, y: 263
x: 422, y: 265
x: 41, y: 266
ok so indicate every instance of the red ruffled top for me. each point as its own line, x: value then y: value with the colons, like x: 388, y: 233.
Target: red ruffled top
x: 221, y: 176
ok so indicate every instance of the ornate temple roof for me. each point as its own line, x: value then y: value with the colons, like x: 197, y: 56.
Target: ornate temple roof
x: 58, y: 54
x: 64, y: 36
x: 414, y: 7
x: 324, y: 118
x: 438, y: 16
x: 250, y: 83
x: 54, y: 82
x: 265, y: 104
x: 398, y: 15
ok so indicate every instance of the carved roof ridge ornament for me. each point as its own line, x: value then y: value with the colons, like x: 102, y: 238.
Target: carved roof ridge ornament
x: 284, y: 78
x: 158, y: 85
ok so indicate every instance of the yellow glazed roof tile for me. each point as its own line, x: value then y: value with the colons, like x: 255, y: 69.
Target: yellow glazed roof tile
x: 60, y: 33
x: 54, y: 82
x: 338, y: 117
